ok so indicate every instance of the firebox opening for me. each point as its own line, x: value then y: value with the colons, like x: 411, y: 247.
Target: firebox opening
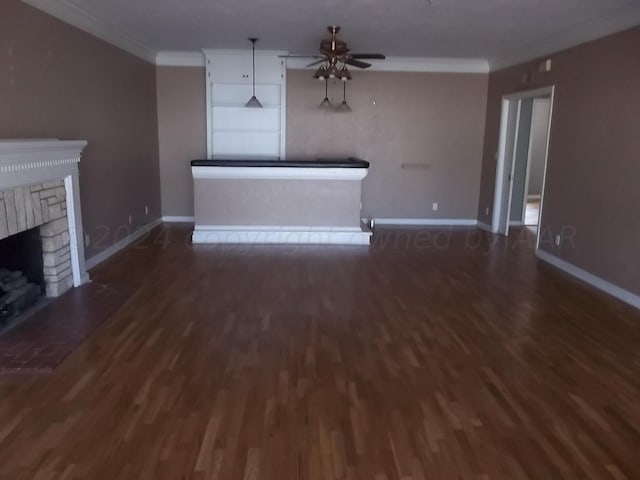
x: 21, y: 272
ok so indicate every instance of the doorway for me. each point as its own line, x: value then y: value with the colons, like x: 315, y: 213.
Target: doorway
x: 522, y: 160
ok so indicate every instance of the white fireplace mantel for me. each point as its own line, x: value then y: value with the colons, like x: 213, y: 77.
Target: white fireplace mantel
x: 29, y: 162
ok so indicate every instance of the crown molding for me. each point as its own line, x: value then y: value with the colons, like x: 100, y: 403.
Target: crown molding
x: 621, y: 19
x: 247, y: 51
x: 410, y: 64
x: 180, y: 59
x: 391, y: 64
x: 79, y: 18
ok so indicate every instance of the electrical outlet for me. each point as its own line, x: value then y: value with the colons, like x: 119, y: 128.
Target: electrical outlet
x: 435, y: 206
x: 557, y: 240
x: 87, y: 240
x: 146, y: 210
x: 486, y: 211
x: 130, y: 219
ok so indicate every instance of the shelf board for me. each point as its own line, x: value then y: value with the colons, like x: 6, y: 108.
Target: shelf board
x: 248, y: 84
x: 235, y: 130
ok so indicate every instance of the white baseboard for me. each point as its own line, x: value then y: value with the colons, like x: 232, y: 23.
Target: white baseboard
x: 601, y: 284
x: 116, y: 247
x: 174, y: 219
x: 437, y: 222
x: 485, y: 226
x: 516, y: 223
x: 279, y: 235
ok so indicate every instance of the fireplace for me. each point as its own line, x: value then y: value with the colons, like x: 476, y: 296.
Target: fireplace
x: 40, y: 219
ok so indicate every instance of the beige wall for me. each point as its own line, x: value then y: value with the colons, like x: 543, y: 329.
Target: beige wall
x: 417, y: 119
x: 182, y: 134
x: 593, y: 169
x: 59, y: 82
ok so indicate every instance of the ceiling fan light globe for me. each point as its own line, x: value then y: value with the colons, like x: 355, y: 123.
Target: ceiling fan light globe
x: 319, y: 73
x: 344, y: 74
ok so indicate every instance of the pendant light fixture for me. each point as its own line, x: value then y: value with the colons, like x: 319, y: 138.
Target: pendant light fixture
x: 253, y: 101
x: 344, y: 106
x: 326, y: 103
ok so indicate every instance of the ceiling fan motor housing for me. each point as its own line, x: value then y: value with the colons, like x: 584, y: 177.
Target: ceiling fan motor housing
x: 333, y: 47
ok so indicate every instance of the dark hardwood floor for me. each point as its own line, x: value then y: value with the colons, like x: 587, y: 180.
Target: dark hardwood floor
x: 432, y: 355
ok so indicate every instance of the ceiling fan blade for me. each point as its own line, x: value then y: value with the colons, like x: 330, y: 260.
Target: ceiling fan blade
x: 317, y: 62
x: 368, y: 56
x: 357, y: 63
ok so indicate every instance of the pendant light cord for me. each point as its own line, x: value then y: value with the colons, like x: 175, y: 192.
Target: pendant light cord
x: 254, y: 66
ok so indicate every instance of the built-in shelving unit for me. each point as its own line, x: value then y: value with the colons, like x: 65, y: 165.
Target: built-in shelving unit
x: 233, y: 130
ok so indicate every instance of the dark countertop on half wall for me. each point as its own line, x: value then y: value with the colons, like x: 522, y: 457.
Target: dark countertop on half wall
x: 350, y: 162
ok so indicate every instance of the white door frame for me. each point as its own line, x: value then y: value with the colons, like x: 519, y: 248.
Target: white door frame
x: 511, y: 123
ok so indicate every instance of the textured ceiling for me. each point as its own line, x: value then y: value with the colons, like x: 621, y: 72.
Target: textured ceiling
x: 420, y: 28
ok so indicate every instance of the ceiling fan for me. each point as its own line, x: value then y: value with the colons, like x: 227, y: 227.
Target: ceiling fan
x: 334, y: 52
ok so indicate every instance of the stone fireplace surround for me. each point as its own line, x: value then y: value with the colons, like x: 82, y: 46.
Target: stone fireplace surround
x: 39, y: 188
